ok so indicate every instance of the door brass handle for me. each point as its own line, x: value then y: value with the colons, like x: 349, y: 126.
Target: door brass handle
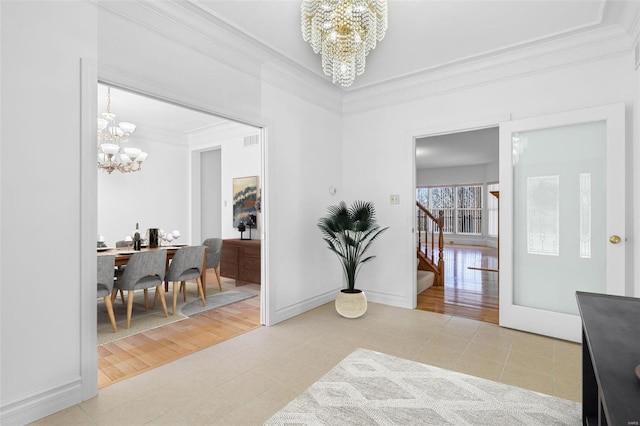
x: 614, y: 239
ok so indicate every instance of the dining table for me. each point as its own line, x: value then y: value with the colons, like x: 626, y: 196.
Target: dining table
x: 123, y: 254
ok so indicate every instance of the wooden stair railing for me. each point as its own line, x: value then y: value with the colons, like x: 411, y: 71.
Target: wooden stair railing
x: 430, y: 257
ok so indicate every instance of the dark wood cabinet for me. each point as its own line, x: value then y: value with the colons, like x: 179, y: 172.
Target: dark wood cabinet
x: 610, y: 355
x: 240, y: 260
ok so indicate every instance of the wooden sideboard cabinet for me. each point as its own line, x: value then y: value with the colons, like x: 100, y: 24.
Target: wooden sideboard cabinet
x: 240, y: 260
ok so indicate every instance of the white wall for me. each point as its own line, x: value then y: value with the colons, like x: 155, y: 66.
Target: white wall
x: 40, y: 193
x: 304, y: 158
x: 381, y: 141
x: 236, y: 160
x: 155, y: 197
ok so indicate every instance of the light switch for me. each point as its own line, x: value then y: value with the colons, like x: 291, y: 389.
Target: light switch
x: 395, y: 199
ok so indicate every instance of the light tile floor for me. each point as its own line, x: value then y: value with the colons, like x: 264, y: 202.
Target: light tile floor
x: 245, y: 380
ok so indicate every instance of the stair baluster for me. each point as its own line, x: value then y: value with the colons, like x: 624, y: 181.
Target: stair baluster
x: 429, y: 225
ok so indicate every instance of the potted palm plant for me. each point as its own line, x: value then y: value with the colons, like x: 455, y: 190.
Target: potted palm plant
x: 349, y: 232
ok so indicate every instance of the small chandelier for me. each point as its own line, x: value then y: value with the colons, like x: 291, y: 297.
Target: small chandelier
x: 343, y: 31
x: 112, y: 155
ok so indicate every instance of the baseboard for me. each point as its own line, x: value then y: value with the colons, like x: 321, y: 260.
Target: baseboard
x: 291, y: 311
x: 388, y: 299
x: 294, y: 309
x: 41, y: 404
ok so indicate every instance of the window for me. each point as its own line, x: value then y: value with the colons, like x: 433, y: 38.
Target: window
x: 585, y: 215
x: 469, y: 209
x: 461, y: 207
x: 443, y: 200
x: 422, y: 196
x: 492, y: 210
x: 543, y: 215
x: 438, y: 200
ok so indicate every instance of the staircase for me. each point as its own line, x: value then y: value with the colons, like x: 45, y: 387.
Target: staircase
x: 424, y: 280
x: 430, y: 243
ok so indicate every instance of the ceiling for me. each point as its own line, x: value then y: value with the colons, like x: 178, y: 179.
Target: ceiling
x: 423, y: 35
x: 427, y: 34
x: 155, y: 120
x: 457, y: 149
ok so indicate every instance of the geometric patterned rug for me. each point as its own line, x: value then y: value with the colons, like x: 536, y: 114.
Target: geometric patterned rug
x: 372, y: 388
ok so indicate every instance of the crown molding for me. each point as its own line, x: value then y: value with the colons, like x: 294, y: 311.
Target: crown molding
x: 267, y: 51
x: 277, y: 68
x: 156, y: 135
x: 631, y: 20
x: 217, y: 128
x: 593, y: 45
x: 214, y: 135
x: 173, y: 22
x: 195, y: 26
x: 320, y: 93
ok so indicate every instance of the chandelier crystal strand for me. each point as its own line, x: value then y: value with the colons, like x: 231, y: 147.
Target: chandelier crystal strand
x: 112, y: 155
x: 343, y: 32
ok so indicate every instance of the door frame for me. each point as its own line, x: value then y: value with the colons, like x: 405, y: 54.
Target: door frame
x: 90, y: 75
x: 444, y: 129
x: 559, y: 325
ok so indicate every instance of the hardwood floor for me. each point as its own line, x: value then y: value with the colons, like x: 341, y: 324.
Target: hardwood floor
x: 470, y: 285
x: 136, y: 354
x: 469, y: 293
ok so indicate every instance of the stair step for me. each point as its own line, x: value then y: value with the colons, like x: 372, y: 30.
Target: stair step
x: 425, y: 280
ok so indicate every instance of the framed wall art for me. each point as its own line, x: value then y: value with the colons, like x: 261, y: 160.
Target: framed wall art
x: 245, y: 195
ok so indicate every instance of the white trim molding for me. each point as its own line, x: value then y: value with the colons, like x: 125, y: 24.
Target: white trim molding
x: 400, y: 301
x: 290, y: 311
x: 580, y: 48
x: 42, y: 403
x: 88, y: 226
x: 37, y: 405
x: 197, y: 27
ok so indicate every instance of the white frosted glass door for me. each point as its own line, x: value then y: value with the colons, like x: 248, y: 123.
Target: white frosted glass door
x: 562, y: 196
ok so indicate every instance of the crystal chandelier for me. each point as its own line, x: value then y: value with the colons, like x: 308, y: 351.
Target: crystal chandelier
x: 343, y: 31
x: 112, y: 136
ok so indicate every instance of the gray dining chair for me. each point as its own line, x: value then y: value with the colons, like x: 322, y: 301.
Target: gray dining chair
x: 213, y: 256
x: 145, y: 269
x: 186, y: 265
x: 120, y: 269
x: 106, y: 264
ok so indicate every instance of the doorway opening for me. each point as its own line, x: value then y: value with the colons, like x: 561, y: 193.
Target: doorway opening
x: 457, y: 182
x: 184, y: 185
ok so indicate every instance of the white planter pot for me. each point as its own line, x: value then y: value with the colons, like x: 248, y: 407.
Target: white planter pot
x: 351, y: 305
